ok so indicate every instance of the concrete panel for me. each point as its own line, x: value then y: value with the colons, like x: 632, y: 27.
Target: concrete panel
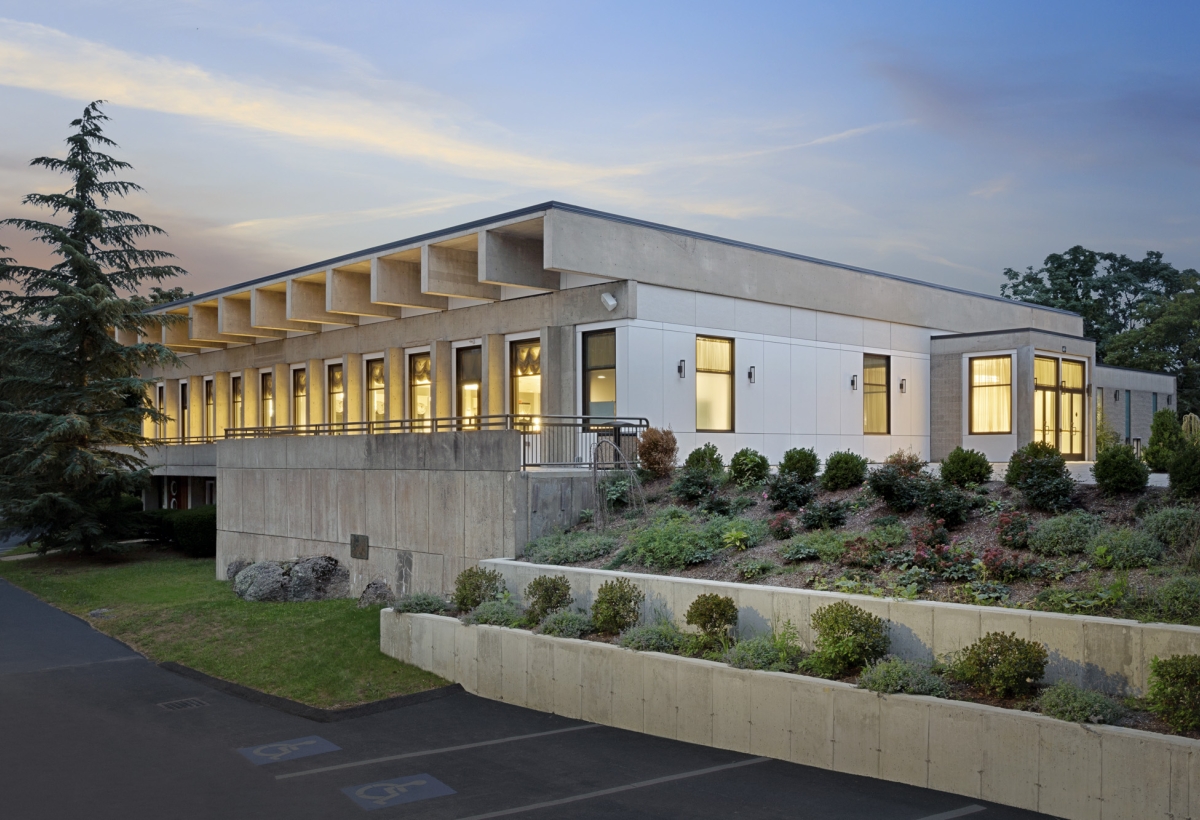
x: 428, y: 573
x: 954, y: 628
x: 351, y: 503
x: 877, y: 334
x: 694, y: 701
x: 507, y: 259
x: 627, y: 710
x: 1165, y: 641
x: 955, y: 748
x: 994, y: 619
x: 1135, y: 776
x: 446, y: 507
x: 1069, y: 770
x: 731, y: 710
x: 568, y: 670
x: 421, y: 644
x: 413, y: 510
x: 466, y: 658
x: 398, y: 282
x: 903, y: 740
x: 308, y: 452
x: 770, y: 714
x: 1062, y: 635
x: 1112, y: 654
x: 323, y: 499
x: 1009, y: 778
x: 490, y: 671
x: 911, y: 630
x: 254, y: 517
x: 514, y: 645
x: 276, y: 502
x: 443, y: 647
x: 483, y: 528
x: 659, y: 696
x: 839, y: 329
x: 756, y: 611
x: 596, y: 684
x: 656, y: 304
x: 539, y: 673
x: 380, y: 507
x: 856, y: 732
x: 793, y: 608
x: 454, y: 272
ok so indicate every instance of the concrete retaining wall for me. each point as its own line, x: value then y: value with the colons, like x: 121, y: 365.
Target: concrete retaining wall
x: 1107, y: 654
x: 1014, y: 758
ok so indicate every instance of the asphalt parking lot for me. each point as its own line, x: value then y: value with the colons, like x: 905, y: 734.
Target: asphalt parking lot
x: 92, y: 729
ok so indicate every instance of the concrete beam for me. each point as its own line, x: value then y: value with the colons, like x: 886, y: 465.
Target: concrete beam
x: 398, y: 283
x: 233, y: 317
x: 515, y: 261
x: 350, y: 292
x: 306, y: 303
x: 175, y: 336
x: 125, y: 337
x: 454, y: 272
x: 202, y: 327
x: 268, y: 310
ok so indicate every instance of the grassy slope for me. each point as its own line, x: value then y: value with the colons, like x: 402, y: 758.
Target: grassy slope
x: 170, y: 608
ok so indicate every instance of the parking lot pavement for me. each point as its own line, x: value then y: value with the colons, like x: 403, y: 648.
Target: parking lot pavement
x: 94, y: 739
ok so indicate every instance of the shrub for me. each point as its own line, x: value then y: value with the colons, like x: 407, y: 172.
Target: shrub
x: 1019, y: 463
x: 1001, y: 565
x: 962, y: 467
x: 669, y: 543
x: 1166, y: 437
x: 752, y: 568
x: 1040, y: 472
x: 1124, y: 548
x: 785, y: 491
x: 897, y: 676
x: 712, y: 614
x: 195, y: 530
x: 890, y: 536
x: 569, y: 547
x: 425, y: 602
x: 823, y: 544
x: 1067, y: 534
x: 906, y: 461
x: 734, y: 533
x: 1177, y: 601
x: 885, y: 521
x: 777, y: 652
x: 615, y: 487
x: 848, y: 637
x: 931, y: 534
x: 617, y: 607
x: 780, y: 527
x: 749, y: 468
x: 707, y: 459
x: 693, y: 484
x: 496, y: 613
x: 860, y: 552
x: 1012, y: 530
x: 946, y: 503
x: 564, y: 624
x: 900, y: 490
x: 843, y: 470
x: 660, y: 636
x: 1000, y: 664
x: 546, y: 595
x: 1184, y: 471
x: 1174, y: 691
x: 657, y: 451
x: 474, y: 585
x: 1066, y: 701
x: 1119, y: 470
x: 1176, y: 528
x: 826, y: 516
x: 801, y: 464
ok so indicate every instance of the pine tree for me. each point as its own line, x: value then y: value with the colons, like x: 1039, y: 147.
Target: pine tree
x: 72, y: 399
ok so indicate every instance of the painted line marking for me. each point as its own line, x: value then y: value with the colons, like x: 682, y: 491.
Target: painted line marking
x: 616, y: 789
x: 950, y: 815
x: 444, y: 750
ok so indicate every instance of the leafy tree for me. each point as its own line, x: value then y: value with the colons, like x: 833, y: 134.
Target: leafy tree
x: 72, y: 400
x: 1168, y: 340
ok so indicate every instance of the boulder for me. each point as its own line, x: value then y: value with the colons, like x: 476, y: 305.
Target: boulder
x: 377, y: 593
x: 264, y: 581
x: 235, y: 566
x: 318, y: 579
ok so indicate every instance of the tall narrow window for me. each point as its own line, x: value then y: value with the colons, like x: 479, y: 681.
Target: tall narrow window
x: 600, y: 373
x: 300, y: 397
x: 468, y: 374
x: 161, y: 406
x: 184, y: 420
x: 267, y: 399
x: 1071, y: 409
x: 877, y: 372
x: 1045, y: 400
x: 210, y: 409
x: 376, y: 406
x: 525, y: 373
x: 714, y: 384
x: 991, y: 395
x: 235, y: 401
x: 420, y: 400
x: 337, y: 395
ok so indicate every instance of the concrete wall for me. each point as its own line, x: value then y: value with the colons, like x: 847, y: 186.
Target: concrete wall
x: 183, y: 459
x: 1107, y: 654
x: 1005, y: 756
x: 1110, y: 386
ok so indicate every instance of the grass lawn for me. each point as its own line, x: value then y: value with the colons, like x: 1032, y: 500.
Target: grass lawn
x: 170, y: 608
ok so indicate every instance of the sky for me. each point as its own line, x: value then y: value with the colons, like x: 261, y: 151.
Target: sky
x: 944, y: 141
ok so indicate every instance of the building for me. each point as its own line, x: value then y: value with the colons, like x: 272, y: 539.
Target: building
x: 511, y: 341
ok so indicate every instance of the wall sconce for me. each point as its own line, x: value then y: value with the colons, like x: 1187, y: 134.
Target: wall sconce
x: 610, y: 301
x: 1064, y: 348
x: 1116, y: 395
x: 854, y: 382
x: 904, y: 385
x: 750, y: 374
x: 680, y: 369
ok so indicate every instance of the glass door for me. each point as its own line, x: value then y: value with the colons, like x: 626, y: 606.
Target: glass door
x: 1045, y: 400
x: 1071, y: 410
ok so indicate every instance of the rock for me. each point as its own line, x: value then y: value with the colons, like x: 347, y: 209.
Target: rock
x: 235, y: 566
x: 264, y: 581
x: 377, y: 593
x: 318, y: 579
x: 103, y: 612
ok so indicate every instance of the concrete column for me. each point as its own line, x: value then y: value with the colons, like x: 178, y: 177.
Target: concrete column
x: 283, y: 394
x: 393, y: 382
x: 221, y: 400
x: 148, y: 427
x: 195, y: 414
x: 558, y: 371
x: 317, y: 385
x: 494, y: 354
x: 171, y: 408
x: 251, y: 398
x: 441, y: 358
x: 352, y: 375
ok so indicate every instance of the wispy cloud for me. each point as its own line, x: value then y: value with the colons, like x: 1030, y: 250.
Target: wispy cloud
x: 995, y: 186
x: 273, y: 226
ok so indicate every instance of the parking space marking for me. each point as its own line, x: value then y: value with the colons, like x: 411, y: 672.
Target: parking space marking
x: 616, y: 789
x: 443, y: 750
x: 408, y: 789
x: 950, y: 815
x: 288, y: 750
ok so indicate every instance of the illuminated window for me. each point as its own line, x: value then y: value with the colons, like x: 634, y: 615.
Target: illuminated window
x: 267, y: 399
x: 210, y: 409
x: 184, y: 421
x: 376, y: 404
x: 991, y: 395
x: 468, y: 373
x: 161, y: 406
x: 876, y: 394
x: 714, y: 384
x: 300, y: 396
x: 337, y: 395
x: 600, y: 373
x: 525, y: 374
x: 420, y: 405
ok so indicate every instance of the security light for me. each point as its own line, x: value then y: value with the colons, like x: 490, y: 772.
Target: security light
x: 610, y: 301
x: 1116, y: 395
x: 680, y: 370
x: 750, y: 374
x: 854, y: 382
x: 904, y: 385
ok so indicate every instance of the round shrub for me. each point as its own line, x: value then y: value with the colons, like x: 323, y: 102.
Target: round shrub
x: 425, y: 602
x: 1124, y: 548
x: 896, y: 487
x: 907, y: 461
x: 848, y: 637
x: 617, y: 607
x: 1040, y: 472
x: 827, y: 516
x: 564, y: 624
x: 706, y: 458
x: 712, y: 614
x: 1019, y: 462
x: 749, y: 468
x: 1066, y: 701
x: 1012, y: 530
x: 801, y: 464
x: 772, y: 653
x: 657, y: 451
x: 1177, y: 601
x: 1067, y: 534
x: 195, y: 530
x: 547, y: 594
x: 785, y: 491
x: 962, y: 467
x: 946, y: 503
x: 1166, y: 436
x: 1174, y: 691
x: 1119, y: 470
x: 660, y: 636
x: 496, y: 613
x: 1184, y: 472
x: 897, y: 676
x: 1001, y: 664
x: 693, y: 484
x: 1176, y: 528
x: 474, y: 585
x: 843, y: 470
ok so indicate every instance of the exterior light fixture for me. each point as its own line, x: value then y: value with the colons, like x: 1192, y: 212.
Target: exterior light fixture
x: 609, y: 301
x: 680, y: 369
x: 904, y: 385
x: 1116, y: 395
x: 1064, y: 348
x: 750, y: 374
x: 854, y: 382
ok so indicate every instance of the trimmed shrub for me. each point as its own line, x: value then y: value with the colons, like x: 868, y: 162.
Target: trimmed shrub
x: 946, y: 503
x: 823, y: 516
x: 474, y: 585
x: 564, y: 624
x: 1012, y: 530
x: 777, y: 652
x: 706, y: 458
x: 906, y: 461
x: 693, y: 484
x: 1176, y: 528
x: 848, y: 637
x: 900, y: 490
x: 712, y: 614
x: 660, y: 636
x: 962, y: 467
x: 546, y: 595
x: 569, y: 547
x: 1177, y: 601
x: 843, y: 470
x: 1119, y: 470
x: 1124, y: 548
x: 425, y: 602
x: 785, y: 491
x: 1184, y: 471
x: 1018, y: 463
x: 195, y: 530
x: 1066, y: 701
x: 801, y: 464
x: 1166, y: 437
x: 893, y: 676
x: 1040, y: 472
x: 749, y: 468
x: 1067, y: 534
x: 1174, y: 691
x: 617, y: 607
x: 1000, y: 664
x: 658, y: 451
x: 496, y: 613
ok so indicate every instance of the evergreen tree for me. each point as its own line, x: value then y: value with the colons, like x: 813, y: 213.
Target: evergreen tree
x: 1166, y: 438
x: 72, y: 399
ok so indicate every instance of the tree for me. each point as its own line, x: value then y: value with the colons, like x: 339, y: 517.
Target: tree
x: 1109, y: 290
x: 1167, y: 340
x: 72, y: 400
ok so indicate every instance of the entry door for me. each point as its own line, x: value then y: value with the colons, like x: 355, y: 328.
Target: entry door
x: 1071, y: 416
x: 1045, y: 400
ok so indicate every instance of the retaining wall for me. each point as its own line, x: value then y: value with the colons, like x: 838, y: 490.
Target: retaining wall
x: 1107, y: 654
x: 1015, y: 758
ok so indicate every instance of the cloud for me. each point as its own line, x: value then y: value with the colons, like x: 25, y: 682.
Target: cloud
x: 288, y: 224
x: 995, y: 186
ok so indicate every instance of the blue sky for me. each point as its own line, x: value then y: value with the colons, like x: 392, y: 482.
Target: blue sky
x: 943, y: 141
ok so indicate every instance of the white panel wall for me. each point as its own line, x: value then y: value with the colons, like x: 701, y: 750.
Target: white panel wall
x: 679, y: 395
x: 748, y: 401
x: 645, y: 383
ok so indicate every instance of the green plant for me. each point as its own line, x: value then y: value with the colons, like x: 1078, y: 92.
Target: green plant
x: 843, y: 470
x: 1119, y: 470
x: 1040, y: 472
x: 885, y: 521
x: 1124, y: 548
x: 752, y: 568
x: 474, y: 585
x: 195, y: 530
x: 1106, y: 436
x: 823, y: 544
x: 1176, y: 528
x: 892, y: 676
x: 735, y: 533
x: 712, y: 614
x: 1066, y: 701
x: 425, y: 602
x: 1184, y: 471
x: 707, y: 459
x: 587, y: 516
x: 547, y: 594
x: 615, y: 487
x: 824, y: 516
x: 566, y: 624
x: 1012, y: 530
x: 1000, y: 664
x: 617, y: 606
x: 668, y: 543
x: 946, y: 503
x: 658, y: 451
x: 693, y: 484
x: 962, y: 467
x: 906, y: 461
x: 569, y: 547
x: 781, y: 527
x: 888, y: 537
x: 499, y: 612
x: 1177, y: 601
x: 786, y: 491
x: 1096, y: 600
x: 1065, y: 534
x: 1166, y: 437
x: 778, y: 652
x: 848, y: 637
x: 900, y: 490
x: 1174, y: 691
x: 801, y: 464
x: 749, y: 468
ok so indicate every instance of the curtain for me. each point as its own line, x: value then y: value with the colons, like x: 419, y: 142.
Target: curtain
x: 991, y: 395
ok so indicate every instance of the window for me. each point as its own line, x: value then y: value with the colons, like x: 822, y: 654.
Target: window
x: 337, y: 395
x: 525, y: 375
x: 376, y: 404
x: 161, y: 406
x: 877, y: 372
x: 210, y: 410
x: 267, y: 399
x: 468, y: 373
x: 991, y: 395
x: 300, y: 396
x: 420, y: 405
x: 600, y: 373
x: 1045, y: 400
x: 235, y: 401
x: 184, y: 422
x: 714, y: 384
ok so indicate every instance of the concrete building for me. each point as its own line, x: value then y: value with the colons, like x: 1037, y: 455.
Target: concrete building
x: 520, y: 342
